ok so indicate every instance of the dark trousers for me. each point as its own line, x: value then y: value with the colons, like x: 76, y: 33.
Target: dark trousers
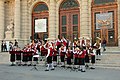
x: 98, y: 52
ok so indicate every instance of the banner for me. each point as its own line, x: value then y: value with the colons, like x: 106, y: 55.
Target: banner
x: 104, y: 19
x: 40, y: 25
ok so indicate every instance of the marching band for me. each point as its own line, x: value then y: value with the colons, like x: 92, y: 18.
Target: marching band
x: 79, y: 54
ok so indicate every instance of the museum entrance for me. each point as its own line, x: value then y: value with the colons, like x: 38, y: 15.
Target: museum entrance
x: 104, y: 22
x: 40, y: 12
x: 69, y: 20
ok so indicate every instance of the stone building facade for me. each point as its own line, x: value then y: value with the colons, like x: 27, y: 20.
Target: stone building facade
x: 69, y: 18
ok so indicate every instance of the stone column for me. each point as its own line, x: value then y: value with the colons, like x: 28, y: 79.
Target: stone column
x: 84, y: 18
x: 52, y: 25
x: 57, y: 19
x: 17, y: 20
x: 24, y: 22
x: 2, y: 31
x: 89, y: 18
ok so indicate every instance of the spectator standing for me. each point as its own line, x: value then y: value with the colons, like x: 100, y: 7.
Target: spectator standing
x: 2, y: 46
x: 16, y: 43
x: 104, y: 44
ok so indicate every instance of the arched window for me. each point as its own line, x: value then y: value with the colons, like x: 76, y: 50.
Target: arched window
x: 40, y: 11
x: 103, y: 1
x: 69, y: 20
x: 69, y: 4
x: 40, y: 8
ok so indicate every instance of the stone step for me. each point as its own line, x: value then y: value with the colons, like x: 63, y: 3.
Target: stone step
x: 112, y: 49
x: 109, y: 60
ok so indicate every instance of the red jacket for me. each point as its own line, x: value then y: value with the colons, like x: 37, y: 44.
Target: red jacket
x: 83, y: 54
x: 55, y: 52
x: 51, y: 51
x: 68, y: 54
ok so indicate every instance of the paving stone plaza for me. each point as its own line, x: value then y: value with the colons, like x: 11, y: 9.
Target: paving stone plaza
x: 104, y: 70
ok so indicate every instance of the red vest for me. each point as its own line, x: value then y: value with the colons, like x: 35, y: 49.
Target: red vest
x: 51, y: 51
x: 55, y: 52
x: 62, y: 53
x: 68, y: 54
x: 58, y: 43
x: 83, y: 54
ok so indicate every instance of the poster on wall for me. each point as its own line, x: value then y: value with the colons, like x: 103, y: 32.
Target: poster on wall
x: 104, y: 20
x: 40, y: 25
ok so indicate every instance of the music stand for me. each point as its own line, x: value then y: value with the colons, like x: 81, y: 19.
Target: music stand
x: 35, y: 68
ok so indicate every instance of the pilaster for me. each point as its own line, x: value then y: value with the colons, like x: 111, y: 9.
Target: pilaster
x: 84, y: 18
x: 52, y: 19
x: 24, y: 21
x: 17, y: 20
x: 2, y: 31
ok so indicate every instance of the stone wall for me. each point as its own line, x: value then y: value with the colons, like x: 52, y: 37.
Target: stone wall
x: 23, y: 25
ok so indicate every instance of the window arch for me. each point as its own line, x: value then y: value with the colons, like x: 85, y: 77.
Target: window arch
x: 40, y: 11
x: 69, y: 20
x: 40, y: 8
x: 103, y: 1
x: 69, y: 4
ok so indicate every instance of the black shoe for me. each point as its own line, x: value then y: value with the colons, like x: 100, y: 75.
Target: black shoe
x: 19, y: 64
x: 46, y: 70
x: 30, y: 65
x: 24, y: 64
x: 92, y: 68
x: 104, y: 50
x: 99, y: 59
x: 53, y: 69
x: 68, y: 67
x: 75, y: 68
x: 55, y: 66
x: 34, y: 65
x: 62, y: 66
x: 86, y: 66
x: 83, y: 71
x: 79, y: 70
x: 12, y: 65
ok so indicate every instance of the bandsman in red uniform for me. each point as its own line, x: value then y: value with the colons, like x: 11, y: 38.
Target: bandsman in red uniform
x: 64, y: 41
x: 76, y: 59
x: 18, y: 56
x: 43, y: 52
x: 87, y: 56
x: 62, y: 50
x: 55, y: 54
x: 98, y: 49
x: 58, y: 44
x: 35, y: 57
x: 25, y: 57
x: 12, y: 56
x: 92, y: 53
x: 83, y: 43
x: 69, y: 57
x: 74, y: 45
x: 82, y: 60
x: 49, y: 58
x: 30, y: 54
